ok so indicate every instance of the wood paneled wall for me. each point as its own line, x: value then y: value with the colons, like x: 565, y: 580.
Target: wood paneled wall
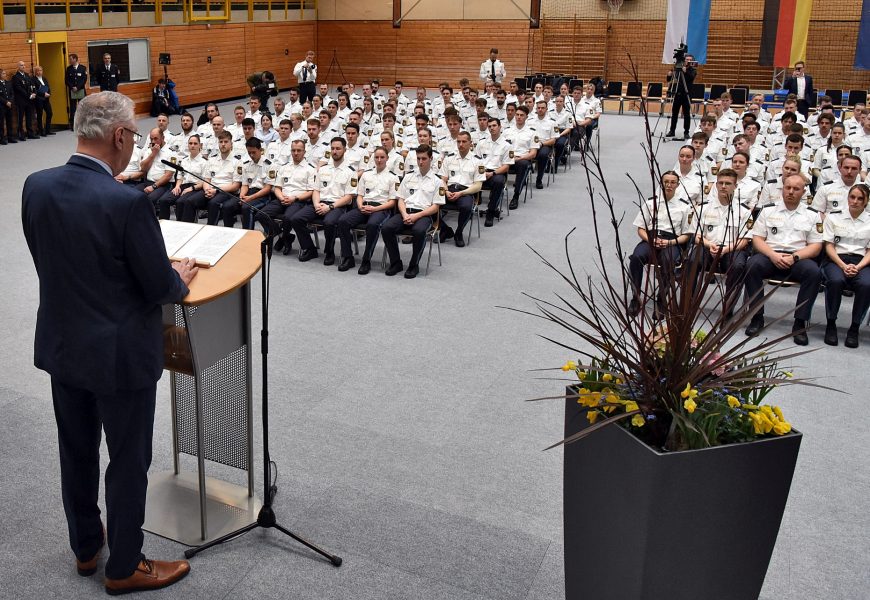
x: 420, y: 52
x: 236, y: 50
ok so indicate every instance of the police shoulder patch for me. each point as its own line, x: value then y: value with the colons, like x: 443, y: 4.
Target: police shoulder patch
x: 353, y: 181
x: 441, y: 191
x: 481, y: 169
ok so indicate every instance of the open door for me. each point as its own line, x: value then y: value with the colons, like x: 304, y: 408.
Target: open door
x: 51, y: 56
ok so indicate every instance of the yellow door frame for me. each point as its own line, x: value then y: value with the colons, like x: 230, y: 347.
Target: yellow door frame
x: 59, y: 98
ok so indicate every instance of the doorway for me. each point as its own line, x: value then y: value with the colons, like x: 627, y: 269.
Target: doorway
x: 51, y: 56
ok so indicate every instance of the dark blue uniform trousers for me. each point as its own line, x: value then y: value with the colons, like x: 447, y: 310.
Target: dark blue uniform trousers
x: 806, y: 272
x: 836, y: 281
x: 127, y: 417
x: 302, y: 217
x: 642, y: 256
x: 390, y: 232
x: 354, y: 218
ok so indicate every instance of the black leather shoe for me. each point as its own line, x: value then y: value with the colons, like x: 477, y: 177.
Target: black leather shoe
x: 329, y: 260
x: 799, y: 334
x: 12, y: 140
x: 490, y: 219
x: 514, y: 204
x: 755, y: 326
x: 446, y: 233
x: 852, y: 337
x: 50, y: 133
x: 365, y: 267
x: 279, y: 244
x: 394, y: 268
x: 412, y: 271
x: 288, y: 244
x: 459, y: 241
x: 3, y: 142
x: 539, y: 185
x: 346, y: 263
x: 633, y: 308
x: 831, y: 334
x: 671, y: 134
x: 306, y: 255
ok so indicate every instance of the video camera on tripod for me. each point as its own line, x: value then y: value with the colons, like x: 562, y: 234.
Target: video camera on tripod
x: 680, y: 55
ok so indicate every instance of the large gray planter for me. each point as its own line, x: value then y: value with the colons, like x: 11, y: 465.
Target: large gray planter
x: 647, y: 525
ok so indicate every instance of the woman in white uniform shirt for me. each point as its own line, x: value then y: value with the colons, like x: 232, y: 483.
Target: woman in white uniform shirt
x: 691, y: 181
x: 825, y: 161
x: 847, y: 239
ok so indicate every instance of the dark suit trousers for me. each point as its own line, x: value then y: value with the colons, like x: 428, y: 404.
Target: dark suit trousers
x: 681, y: 102
x: 495, y: 185
x: 25, y: 117
x: 354, y: 218
x: 806, y: 272
x: 43, y: 106
x: 836, y: 281
x: 5, y: 117
x: 390, y: 232
x: 642, y: 256
x: 541, y: 159
x: 127, y: 417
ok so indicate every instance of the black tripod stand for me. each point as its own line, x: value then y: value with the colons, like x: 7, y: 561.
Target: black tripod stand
x: 334, y: 63
x: 266, y: 518
x: 678, y: 91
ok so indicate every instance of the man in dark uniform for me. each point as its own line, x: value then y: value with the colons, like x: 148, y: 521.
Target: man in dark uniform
x: 99, y: 336
x: 76, y: 81
x: 680, y: 81
x: 22, y: 85
x: 108, y: 75
x: 6, y: 98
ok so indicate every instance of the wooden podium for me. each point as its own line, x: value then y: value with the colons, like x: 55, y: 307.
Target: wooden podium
x: 207, y: 348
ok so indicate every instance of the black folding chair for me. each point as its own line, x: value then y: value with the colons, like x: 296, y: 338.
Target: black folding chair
x: 633, y: 92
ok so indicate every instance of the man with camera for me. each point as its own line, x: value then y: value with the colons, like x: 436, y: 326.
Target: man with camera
x: 680, y: 82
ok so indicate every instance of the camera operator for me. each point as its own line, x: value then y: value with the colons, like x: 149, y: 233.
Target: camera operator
x: 680, y: 82
x: 263, y: 85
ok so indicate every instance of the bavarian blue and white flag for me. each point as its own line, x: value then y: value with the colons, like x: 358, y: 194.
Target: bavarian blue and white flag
x: 689, y: 22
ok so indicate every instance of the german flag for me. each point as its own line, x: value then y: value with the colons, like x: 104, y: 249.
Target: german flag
x: 784, y: 32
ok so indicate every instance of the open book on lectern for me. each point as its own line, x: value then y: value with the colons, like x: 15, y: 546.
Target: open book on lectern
x: 206, y: 244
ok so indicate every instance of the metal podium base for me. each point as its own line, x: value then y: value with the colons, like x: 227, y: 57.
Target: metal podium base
x: 172, y: 507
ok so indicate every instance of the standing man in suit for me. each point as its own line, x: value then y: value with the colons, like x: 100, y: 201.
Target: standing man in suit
x: 801, y: 85
x: 22, y: 85
x: 99, y: 336
x: 492, y: 69
x: 76, y: 82
x: 306, y: 75
x: 43, y: 102
x: 6, y: 99
x: 108, y: 75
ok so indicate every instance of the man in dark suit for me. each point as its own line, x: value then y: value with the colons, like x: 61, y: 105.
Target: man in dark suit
x: 108, y: 75
x: 6, y: 99
x: 42, y: 101
x: 76, y: 81
x: 103, y: 274
x: 801, y: 85
x: 22, y: 85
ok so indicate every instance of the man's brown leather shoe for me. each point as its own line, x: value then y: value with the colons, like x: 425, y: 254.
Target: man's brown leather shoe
x: 149, y: 575
x: 89, y: 567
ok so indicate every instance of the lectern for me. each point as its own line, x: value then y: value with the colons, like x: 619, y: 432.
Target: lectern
x: 207, y: 348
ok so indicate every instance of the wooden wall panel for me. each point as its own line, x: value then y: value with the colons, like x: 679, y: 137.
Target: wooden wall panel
x: 420, y: 52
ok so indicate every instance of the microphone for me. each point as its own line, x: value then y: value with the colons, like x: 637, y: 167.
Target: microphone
x: 270, y: 235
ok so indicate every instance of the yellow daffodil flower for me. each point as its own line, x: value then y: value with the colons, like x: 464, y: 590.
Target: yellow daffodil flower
x: 611, y: 399
x: 630, y: 406
x: 607, y: 377
x: 592, y: 415
x: 778, y: 412
x: 618, y: 381
x: 689, y: 405
x: 689, y: 392
x: 581, y: 375
x: 781, y: 428
x: 749, y: 406
x: 638, y: 421
x: 569, y: 366
x: 732, y: 401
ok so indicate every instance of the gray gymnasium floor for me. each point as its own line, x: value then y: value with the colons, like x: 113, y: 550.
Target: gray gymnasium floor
x: 400, y: 429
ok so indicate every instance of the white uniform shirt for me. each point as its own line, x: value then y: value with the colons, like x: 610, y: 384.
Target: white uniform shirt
x: 464, y: 170
x: 671, y: 218
x: 724, y: 224
x: 488, y: 67
x: 378, y: 187
x: 788, y: 231
x: 771, y: 192
x: 860, y: 142
x: 305, y: 72
x: 197, y: 166
x: 422, y: 191
x: 296, y: 179
x: 849, y: 236
x: 221, y: 171
x: 832, y: 196
x: 495, y: 153
x: 258, y: 174
x: 314, y: 152
x: 545, y: 127
x: 157, y: 168
x: 133, y: 165
x: 334, y: 182
x: 279, y: 151
x: 523, y: 140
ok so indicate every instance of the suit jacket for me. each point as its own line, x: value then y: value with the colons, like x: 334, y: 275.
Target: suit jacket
x: 810, y: 93
x: 76, y: 77
x: 6, y: 94
x: 108, y: 78
x: 41, y: 90
x: 103, y: 274
x: 22, y: 86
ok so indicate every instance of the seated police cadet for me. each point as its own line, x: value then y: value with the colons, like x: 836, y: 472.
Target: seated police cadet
x: 825, y: 161
x: 832, y: 195
x: 525, y: 143
x: 293, y: 189
x: 847, y: 246
x: 395, y: 160
x: 464, y: 174
x: 772, y: 190
x: 185, y: 183
x: 722, y: 237
x: 316, y: 146
x: 691, y: 180
x: 497, y: 155
x: 158, y: 177
x: 354, y: 152
x: 787, y: 236
x: 375, y: 201
x: 278, y: 152
x: 663, y: 224
x: 564, y: 128
x: 258, y: 177
x: 225, y: 178
x: 133, y: 174
x: 334, y: 189
x: 420, y: 195
x: 545, y: 129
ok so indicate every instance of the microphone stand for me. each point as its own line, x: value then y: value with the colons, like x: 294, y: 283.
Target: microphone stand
x: 266, y: 517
